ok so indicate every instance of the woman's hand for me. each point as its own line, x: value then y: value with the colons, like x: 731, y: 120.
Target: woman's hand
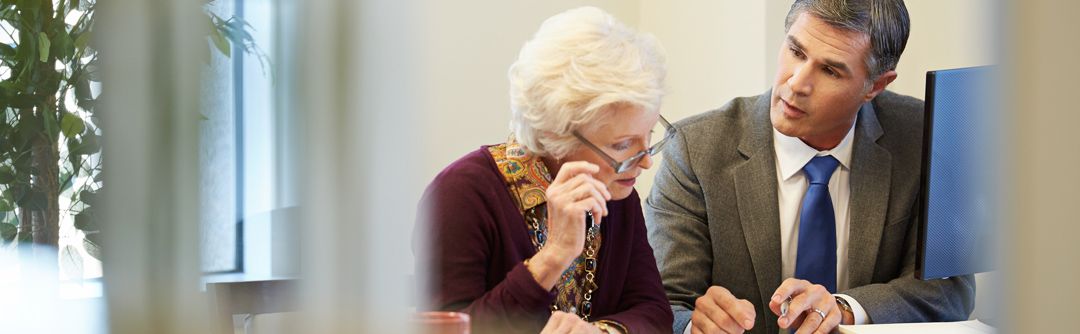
x: 573, y: 192
x: 562, y: 322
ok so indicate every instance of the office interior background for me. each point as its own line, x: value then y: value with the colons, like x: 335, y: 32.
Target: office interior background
x: 306, y: 157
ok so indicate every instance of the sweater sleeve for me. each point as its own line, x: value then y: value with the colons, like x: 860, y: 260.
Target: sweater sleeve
x: 643, y: 305
x: 458, y: 221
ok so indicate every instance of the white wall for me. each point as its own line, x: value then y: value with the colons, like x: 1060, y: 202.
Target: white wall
x: 468, y: 47
x: 716, y: 50
x: 946, y: 34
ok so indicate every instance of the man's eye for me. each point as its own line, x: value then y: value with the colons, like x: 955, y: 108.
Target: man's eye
x: 797, y: 53
x: 831, y: 72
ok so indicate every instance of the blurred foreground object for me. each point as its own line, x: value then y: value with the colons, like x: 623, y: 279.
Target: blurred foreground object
x: 31, y: 303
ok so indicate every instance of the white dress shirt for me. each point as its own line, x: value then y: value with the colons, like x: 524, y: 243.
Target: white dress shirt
x: 791, y: 155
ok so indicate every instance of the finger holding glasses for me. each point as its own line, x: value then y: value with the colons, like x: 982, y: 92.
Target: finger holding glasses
x: 572, y: 194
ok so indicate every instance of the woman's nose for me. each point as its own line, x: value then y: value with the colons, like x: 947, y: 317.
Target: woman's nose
x: 646, y: 161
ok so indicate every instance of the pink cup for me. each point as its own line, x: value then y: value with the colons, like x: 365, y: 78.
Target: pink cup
x: 442, y: 322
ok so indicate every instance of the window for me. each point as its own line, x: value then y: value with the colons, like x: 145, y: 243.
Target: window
x: 243, y: 151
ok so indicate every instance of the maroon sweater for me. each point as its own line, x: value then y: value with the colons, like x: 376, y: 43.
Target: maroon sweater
x: 477, y: 241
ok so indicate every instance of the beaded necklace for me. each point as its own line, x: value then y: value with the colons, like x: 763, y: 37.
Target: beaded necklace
x: 536, y: 218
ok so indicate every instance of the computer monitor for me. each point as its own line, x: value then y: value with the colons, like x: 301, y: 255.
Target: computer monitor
x: 961, y: 174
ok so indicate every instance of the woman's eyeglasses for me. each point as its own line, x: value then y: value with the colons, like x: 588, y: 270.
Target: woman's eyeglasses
x: 625, y: 165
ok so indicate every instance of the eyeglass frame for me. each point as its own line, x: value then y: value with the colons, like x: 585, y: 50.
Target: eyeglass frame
x: 625, y: 165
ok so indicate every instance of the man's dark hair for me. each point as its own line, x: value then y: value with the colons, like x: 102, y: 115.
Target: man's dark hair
x: 885, y: 21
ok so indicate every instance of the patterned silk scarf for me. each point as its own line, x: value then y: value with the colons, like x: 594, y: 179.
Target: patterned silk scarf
x: 527, y: 178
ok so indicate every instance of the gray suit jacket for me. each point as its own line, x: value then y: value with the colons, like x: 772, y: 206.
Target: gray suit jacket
x: 713, y: 215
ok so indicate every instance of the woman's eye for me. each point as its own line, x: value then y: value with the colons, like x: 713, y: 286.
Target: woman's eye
x: 621, y: 146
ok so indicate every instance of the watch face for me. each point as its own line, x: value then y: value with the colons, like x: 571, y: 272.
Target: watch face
x: 847, y: 316
x: 843, y: 304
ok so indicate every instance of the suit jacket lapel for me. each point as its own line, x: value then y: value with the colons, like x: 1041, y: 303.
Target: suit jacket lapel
x: 870, y: 182
x: 755, y: 186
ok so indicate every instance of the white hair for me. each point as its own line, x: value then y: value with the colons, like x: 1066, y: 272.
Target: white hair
x: 580, y: 63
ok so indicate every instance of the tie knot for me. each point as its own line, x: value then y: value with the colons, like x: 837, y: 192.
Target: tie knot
x: 820, y: 169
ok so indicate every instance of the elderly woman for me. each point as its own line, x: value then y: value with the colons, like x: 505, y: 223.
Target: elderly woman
x: 545, y: 231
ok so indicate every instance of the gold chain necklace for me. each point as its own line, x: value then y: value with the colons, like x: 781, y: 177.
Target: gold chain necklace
x: 535, y: 218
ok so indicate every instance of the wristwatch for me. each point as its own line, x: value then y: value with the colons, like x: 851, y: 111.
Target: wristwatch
x: 846, y: 308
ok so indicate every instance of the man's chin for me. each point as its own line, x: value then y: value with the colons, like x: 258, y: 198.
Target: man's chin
x: 782, y: 124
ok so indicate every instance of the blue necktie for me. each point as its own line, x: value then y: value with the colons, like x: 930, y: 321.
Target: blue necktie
x: 816, y: 260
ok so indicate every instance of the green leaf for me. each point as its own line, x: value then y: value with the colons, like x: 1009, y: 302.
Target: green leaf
x: 88, y: 198
x: 92, y: 71
x: 71, y: 262
x: 66, y: 180
x: 92, y: 247
x: 43, y: 47
x: 82, y: 90
x: 76, y: 163
x: 237, y: 30
x: 6, y: 206
x: 88, y: 104
x: 23, y: 101
x: 8, y: 232
x: 9, y: 194
x: 89, y: 145
x: 219, y: 40
x: 72, y: 125
x: 9, y: 15
x: 6, y: 51
x: 85, y: 221
x: 7, y: 175
x: 82, y: 41
x: 62, y: 45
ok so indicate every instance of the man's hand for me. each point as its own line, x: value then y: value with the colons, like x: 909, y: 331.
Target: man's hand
x: 807, y: 300
x: 718, y: 311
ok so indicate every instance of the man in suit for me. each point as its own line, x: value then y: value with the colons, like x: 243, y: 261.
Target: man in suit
x: 803, y: 198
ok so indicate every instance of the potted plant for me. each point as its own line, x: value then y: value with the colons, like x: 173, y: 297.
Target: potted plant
x: 50, y: 134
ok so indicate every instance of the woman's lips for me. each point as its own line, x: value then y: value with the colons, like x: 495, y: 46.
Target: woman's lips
x: 627, y: 182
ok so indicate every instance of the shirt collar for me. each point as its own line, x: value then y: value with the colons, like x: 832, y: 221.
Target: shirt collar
x: 792, y: 153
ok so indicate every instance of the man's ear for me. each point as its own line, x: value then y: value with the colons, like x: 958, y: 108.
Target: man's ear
x: 879, y: 85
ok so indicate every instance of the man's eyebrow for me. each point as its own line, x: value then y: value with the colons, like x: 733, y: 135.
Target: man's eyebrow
x: 839, y: 66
